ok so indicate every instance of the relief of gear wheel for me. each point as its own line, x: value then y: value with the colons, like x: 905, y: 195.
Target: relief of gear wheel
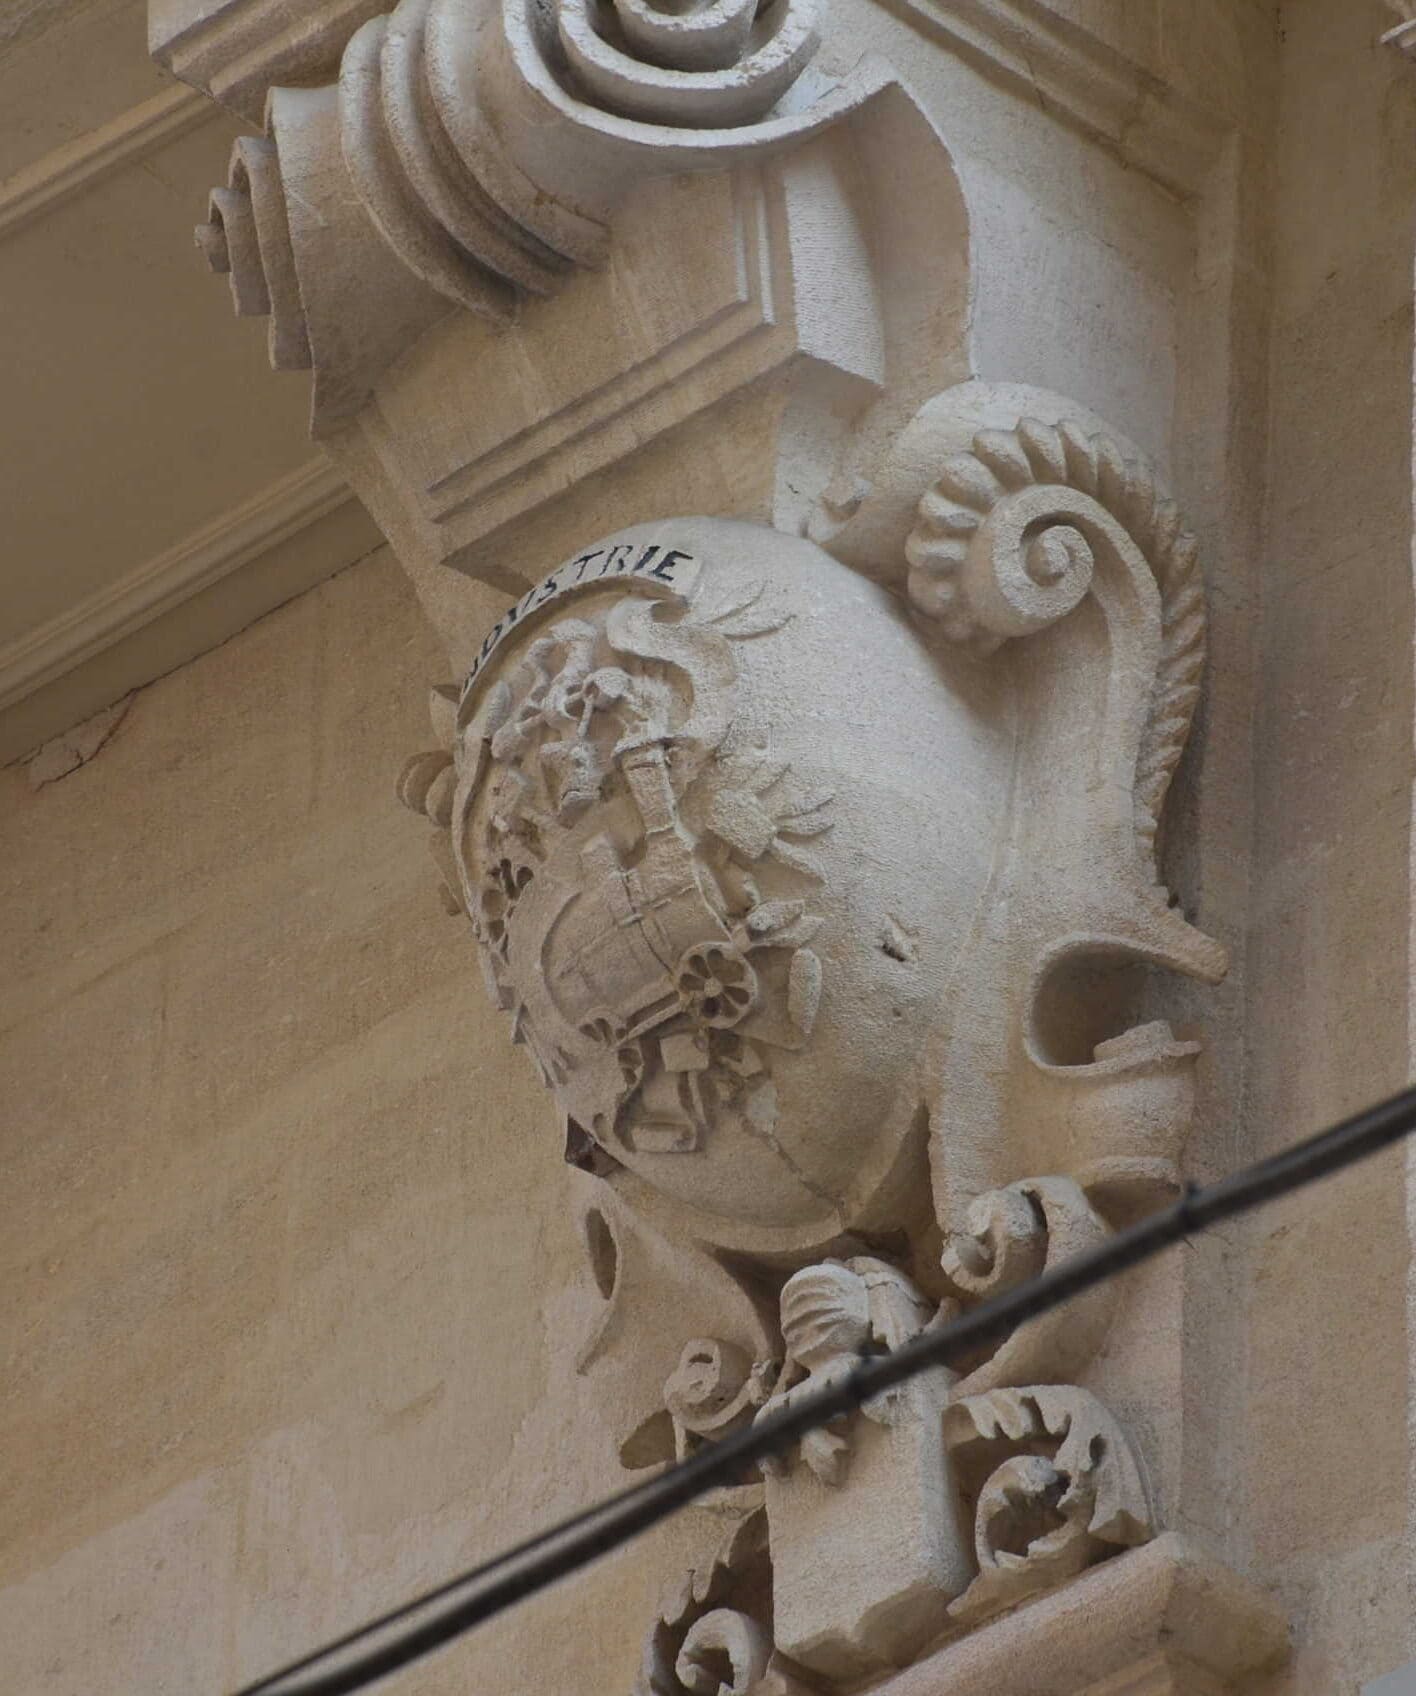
x: 716, y: 985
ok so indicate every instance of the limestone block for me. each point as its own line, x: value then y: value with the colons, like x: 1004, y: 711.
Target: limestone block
x: 864, y: 1567
x: 1164, y: 1620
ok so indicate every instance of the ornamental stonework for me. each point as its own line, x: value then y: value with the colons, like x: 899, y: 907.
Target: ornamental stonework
x: 794, y: 884
x: 813, y: 854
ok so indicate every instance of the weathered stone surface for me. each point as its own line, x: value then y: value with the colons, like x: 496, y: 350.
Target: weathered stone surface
x: 256, y: 1230
x: 75, y: 747
x: 818, y: 848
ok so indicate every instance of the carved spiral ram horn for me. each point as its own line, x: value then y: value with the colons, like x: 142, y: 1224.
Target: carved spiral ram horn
x: 1004, y: 544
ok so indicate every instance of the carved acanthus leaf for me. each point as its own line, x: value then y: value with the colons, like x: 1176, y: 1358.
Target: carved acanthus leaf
x: 1070, y: 1493
x: 708, y: 1640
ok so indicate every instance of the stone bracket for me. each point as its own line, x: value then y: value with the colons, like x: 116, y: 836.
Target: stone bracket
x: 1166, y: 1619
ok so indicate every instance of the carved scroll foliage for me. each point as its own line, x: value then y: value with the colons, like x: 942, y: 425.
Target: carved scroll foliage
x: 713, y: 1636
x: 1015, y: 1234
x: 1004, y: 544
x: 714, y: 1389
x: 648, y: 879
x: 1069, y: 1493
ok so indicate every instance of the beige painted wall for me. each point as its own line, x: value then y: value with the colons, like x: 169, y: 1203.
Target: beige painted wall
x: 283, y: 1225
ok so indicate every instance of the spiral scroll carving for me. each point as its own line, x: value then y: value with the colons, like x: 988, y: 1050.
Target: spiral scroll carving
x: 486, y: 144
x: 1001, y: 548
x: 247, y: 239
x: 1058, y: 1487
x: 700, y: 65
x: 709, y: 1639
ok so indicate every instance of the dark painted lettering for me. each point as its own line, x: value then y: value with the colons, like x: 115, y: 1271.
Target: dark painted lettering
x: 652, y: 562
x: 664, y: 569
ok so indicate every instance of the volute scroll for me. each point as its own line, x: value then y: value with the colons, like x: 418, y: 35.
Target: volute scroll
x: 1027, y: 535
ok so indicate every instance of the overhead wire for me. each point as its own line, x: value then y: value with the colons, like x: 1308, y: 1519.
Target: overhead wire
x: 438, y: 1616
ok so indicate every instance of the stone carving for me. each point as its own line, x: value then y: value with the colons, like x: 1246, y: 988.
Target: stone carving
x: 722, y: 64
x: 1068, y: 1493
x: 817, y: 870
x: 660, y: 1393
x: 618, y: 828
x: 833, y: 1314
x: 988, y: 490
x: 1017, y: 1233
x: 701, y: 1646
x: 857, y: 1592
x: 473, y: 156
x: 866, y: 1042
x: 1009, y: 538
x: 713, y: 1390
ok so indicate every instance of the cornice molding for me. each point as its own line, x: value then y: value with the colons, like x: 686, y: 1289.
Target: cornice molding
x: 78, y: 165
x: 1081, y: 81
x: 207, y: 555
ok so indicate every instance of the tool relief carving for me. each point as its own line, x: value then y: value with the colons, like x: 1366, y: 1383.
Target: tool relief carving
x: 636, y: 866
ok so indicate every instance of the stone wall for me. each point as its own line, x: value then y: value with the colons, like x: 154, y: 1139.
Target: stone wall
x: 1325, y: 1513
x: 284, y: 1232
x: 292, y: 1290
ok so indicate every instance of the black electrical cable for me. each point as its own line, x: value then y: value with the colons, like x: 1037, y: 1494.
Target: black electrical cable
x: 356, y: 1660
